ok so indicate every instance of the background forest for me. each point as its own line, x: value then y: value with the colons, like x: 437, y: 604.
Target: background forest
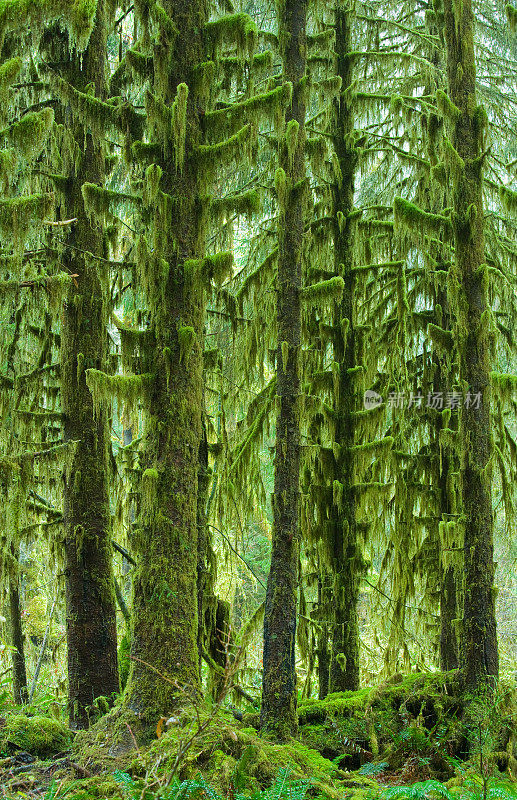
x: 258, y: 370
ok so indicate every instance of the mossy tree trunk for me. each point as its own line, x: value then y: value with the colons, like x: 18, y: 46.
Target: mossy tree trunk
x: 19, y: 674
x: 344, y: 665
x: 323, y: 651
x: 164, y: 646
x: 445, y: 376
x: 479, y: 656
x: 90, y: 599
x: 278, y: 710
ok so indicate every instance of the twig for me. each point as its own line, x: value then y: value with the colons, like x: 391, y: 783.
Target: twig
x: 59, y: 223
x: 42, y: 652
x: 123, y: 552
x: 238, y: 555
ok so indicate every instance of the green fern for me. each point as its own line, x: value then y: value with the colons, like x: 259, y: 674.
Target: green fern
x: 283, y: 788
x: 370, y: 769
x: 423, y: 790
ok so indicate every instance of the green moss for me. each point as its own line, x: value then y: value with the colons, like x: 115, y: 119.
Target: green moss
x: 291, y: 138
x: 509, y: 198
x: 511, y: 16
x: 39, y: 735
x: 179, y: 124
x: 152, y: 178
x: 441, y: 338
x: 409, y: 215
x: 9, y: 71
x: 128, y: 390
x: 446, y: 106
x: 268, y: 105
x: 245, y: 204
x: 18, y: 214
x: 30, y: 133
x: 77, y: 15
x: 226, y: 151
x: 99, y: 202
x: 324, y: 291
x: 234, y: 29
x: 187, y: 339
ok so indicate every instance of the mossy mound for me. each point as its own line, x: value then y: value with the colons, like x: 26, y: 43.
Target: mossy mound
x: 418, y: 715
x: 416, y: 723
x: 219, y: 748
x: 41, y: 736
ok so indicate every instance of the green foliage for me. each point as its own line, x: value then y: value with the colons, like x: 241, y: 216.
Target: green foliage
x: 197, y: 788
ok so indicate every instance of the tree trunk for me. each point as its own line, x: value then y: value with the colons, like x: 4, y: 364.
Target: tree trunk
x: 164, y: 648
x: 479, y: 656
x: 278, y: 711
x: 344, y: 666
x: 90, y: 600
x: 20, y: 694
x: 323, y: 652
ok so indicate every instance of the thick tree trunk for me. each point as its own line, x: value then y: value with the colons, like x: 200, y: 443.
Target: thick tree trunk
x: 164, y: 648
x: 479, y: 657
x: 278, y: 711
x: 322, y: 645
x: 19, y: 674
x: 344, y: 666
x: 90, y: 599
x: 449, y: 651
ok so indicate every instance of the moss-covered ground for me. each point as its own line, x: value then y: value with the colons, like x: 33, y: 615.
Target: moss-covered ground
x: 350, y: 745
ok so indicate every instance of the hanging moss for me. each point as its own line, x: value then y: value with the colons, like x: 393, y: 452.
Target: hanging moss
x: 281, y: 187
x: 268, y: 105
x: 77, y: 15
x: 149, y: 486
x: 152, y: 178
x: 30, y: 133
x: 446, y: 106
x: 511, y: 16
x: 179, y: 124
x: 9, y: 71
x: 234, y: 29
x: 244, y: 204
x: 18, y: 214
x: 187, y: 339
x: 146, y: 152
x: 141, y: 64
x: 505, y: 384
x: 127, y: 390
x: 216, y: 268
x: 409, y: 215
x: 211, y: 269
x: 224, y: 152
x: 99, y: 201
x: 324, y: 292
x: 291, y: 138
x: 509, y: 198
x: 443, y: 339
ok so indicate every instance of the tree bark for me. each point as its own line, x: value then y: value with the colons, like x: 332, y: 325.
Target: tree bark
x: 90, y: 599
x: 164, y: 649
x: 278, y: 710
x: 344, y: 665
x: 479, y: 656
x: 20, y: 694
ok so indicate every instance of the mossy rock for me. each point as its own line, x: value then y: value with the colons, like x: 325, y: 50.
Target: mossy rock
x: 399, y: 718
x: 39, y: 735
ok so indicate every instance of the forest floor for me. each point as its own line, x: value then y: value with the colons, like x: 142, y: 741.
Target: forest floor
x: 406, y: 739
